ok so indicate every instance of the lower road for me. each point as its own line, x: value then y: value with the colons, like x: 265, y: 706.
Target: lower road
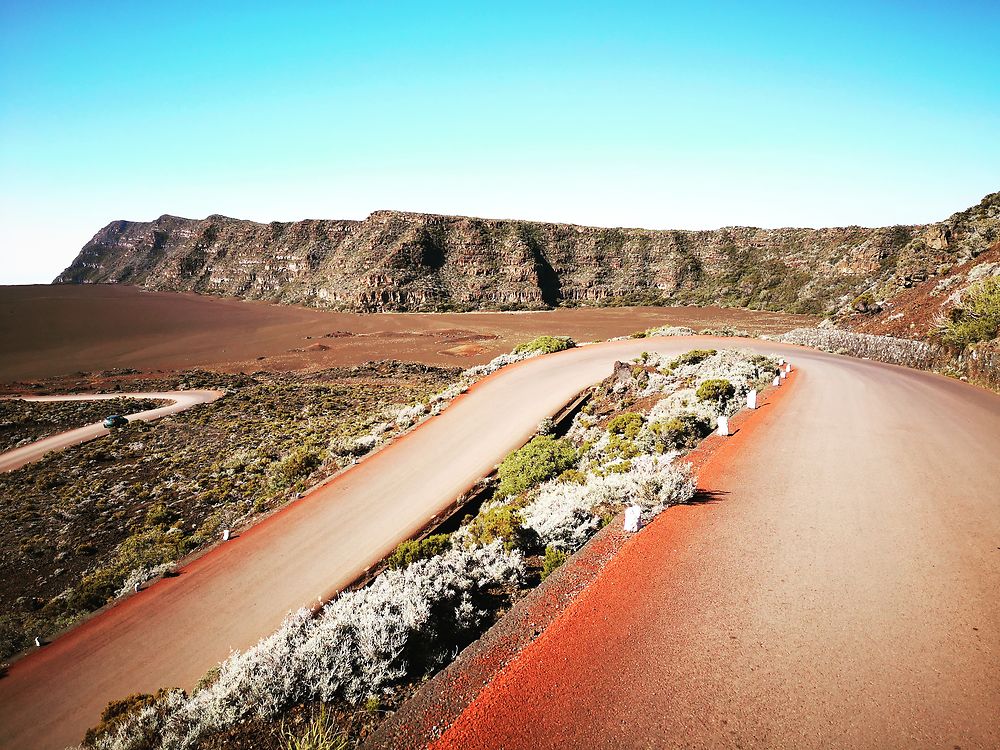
x: 26, y: 454
x: 844, y: 587
x: 841, y: 590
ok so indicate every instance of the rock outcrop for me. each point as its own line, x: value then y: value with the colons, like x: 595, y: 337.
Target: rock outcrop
x: 405, y: 261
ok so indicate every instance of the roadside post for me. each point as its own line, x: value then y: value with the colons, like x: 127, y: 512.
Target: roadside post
x: 723, y: 428
x: 752, y: 400
x: 777, y: 381
x: 632, y: 515
x: 225, y: 535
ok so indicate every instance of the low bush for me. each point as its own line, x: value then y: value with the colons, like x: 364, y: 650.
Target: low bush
x: 546, y: 345
x: 496, y: 523
x: 554, y: 558
x: 411, y: 550
x: 627, y: 425
x: 402, y: 626
x: 977, y: 318
x: 680, y: 432
x: 715, y: 390
x: 542, y: 458
x: 692, y: 357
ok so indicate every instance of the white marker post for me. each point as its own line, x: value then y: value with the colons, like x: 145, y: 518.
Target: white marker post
x: 225, y: 535
x: 788, y: 367
x: 782, y: 374
x: 632, y: 515
x: 137, y: 586
x: 723, y: 428
x: 752, y: 400
x: 38, y: 642
x: 777, y: 381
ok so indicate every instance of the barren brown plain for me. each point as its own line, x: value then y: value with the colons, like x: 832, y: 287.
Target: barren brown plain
x: 49, y: 331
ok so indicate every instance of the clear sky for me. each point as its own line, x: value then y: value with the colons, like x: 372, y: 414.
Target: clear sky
x: 658, y: 114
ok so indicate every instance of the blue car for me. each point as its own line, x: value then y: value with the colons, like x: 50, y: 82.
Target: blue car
x: 115, y: 420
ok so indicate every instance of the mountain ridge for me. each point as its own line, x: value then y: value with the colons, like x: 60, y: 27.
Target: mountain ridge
x: 409, y: 261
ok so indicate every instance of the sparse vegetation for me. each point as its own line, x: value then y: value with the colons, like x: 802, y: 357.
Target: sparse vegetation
x: 83, y: 524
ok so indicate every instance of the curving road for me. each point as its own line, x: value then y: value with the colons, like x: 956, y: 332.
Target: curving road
x: 843, y: 591
x: 876, y: 524
x: 26, y: 454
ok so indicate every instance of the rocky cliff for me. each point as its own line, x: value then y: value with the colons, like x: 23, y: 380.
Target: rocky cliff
x: 405, y: 261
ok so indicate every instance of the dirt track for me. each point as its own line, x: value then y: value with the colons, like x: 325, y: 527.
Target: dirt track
x: 839, y: 591
x: 181, y: 400
x: 875, y: 536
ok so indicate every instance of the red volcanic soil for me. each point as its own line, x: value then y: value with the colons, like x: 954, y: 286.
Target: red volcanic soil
x: 57, y: 330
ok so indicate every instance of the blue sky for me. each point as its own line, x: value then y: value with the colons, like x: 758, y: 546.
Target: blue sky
x: 660, y: 114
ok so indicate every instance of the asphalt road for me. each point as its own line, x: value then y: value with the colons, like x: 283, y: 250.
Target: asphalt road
x: 841, y: 591
x: 26, y: 454
x: 867, y: 457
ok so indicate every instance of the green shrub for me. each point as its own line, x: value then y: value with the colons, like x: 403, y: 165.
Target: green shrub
x: 573, y: 475
x: 680, y: 432
x: 692, y: 357
x: 418, y: 549
x: 627, y: 425
x: 554, y: 558
x: 715, y: 390
x: 497, y: 522
x: 621, y: 447
x: 546, y: 345
x: 977, y: 318
x: 542, y: 458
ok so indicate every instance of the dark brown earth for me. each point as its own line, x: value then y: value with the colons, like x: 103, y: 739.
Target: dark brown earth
x: 57, y: 330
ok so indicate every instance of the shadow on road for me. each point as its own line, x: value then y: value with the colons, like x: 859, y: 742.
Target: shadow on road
x: 707, y: 496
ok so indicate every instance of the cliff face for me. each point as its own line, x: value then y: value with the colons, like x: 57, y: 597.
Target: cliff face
x: 404, y: 261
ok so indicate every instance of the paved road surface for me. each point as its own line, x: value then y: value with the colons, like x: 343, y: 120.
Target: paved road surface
x: 843, y: 591
x: 171, y: 633
x: 27, y: 454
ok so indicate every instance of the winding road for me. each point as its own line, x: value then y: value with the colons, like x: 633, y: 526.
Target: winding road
x: 26, y: 454
x: 842, y: 593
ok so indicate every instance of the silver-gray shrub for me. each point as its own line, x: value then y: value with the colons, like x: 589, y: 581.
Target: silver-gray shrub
x: 563, y: 513
x: 401, y: 626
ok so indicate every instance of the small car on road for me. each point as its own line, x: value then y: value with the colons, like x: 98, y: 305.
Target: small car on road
x: 115, y: 420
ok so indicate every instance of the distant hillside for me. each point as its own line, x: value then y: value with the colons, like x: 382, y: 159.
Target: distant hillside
x: 405, y: 261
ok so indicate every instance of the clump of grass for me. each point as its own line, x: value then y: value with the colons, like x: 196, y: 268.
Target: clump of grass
x: 321, y: 733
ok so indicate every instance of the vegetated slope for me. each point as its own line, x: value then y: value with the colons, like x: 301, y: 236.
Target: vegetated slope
x: 931, y: 276
x: 407, y: 261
